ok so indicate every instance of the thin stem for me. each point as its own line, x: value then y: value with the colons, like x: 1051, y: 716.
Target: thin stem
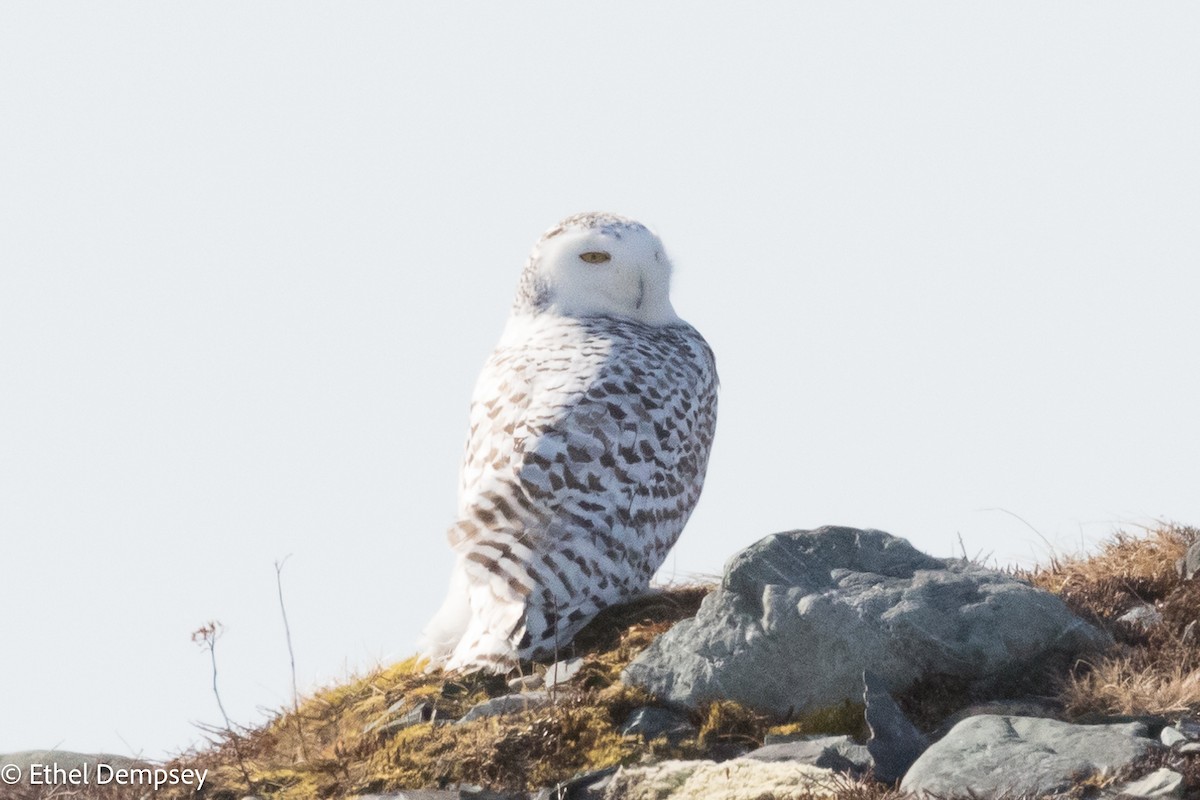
x: 287, y: 629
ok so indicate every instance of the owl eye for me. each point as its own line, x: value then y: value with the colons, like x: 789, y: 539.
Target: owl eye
x: 595, y: 257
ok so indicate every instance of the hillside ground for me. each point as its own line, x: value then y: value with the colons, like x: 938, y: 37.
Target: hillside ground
x: 335, y: 745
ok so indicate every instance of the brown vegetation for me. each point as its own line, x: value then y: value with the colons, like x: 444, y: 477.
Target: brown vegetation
x: 1155, y: 671
x: 350, y: 752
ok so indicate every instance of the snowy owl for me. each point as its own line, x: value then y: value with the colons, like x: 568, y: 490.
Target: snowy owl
x: 590, y: 431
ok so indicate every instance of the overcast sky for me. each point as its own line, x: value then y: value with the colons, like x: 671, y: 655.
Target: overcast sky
x: 252, y: 257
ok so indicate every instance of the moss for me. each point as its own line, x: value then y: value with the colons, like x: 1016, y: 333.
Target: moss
x: 333, y: 745
x: 844, y: 718
x: 620, y: 700
x: 727, y: 722
x: 519, y: 751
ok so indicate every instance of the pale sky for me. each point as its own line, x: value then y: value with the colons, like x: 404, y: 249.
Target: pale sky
x: 253, y: 255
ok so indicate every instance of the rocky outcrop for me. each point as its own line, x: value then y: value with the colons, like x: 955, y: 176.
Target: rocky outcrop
x: 651, y: 723
x: 799, y: 616
x: 507, y: 704
x: 1162, y: 783
x: 838, y: 753
x: 895, y: 742
x: 987, y: 756
x: 739, y: 779
x: 470, y: 793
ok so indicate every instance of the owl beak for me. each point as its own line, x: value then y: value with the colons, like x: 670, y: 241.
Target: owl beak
x: 641, y: 292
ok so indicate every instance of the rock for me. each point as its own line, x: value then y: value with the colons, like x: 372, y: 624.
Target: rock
x: 461, y: 793
x: 1023, y: 707
x: 1144, y: 616
x: 1189, y: 728
x: 788, y: 738
x: 739, y: 779
x: 895, y: 743
x: 1189, y: 566
x: 527, y: 682
x: 721, y: 752
x: 562, y: 671
x: 413, y: 794
x: 507, y: 704
x: 838, y: 753
x: 800, y: 615
x: 589, y: 786
x: 1160, y: 783
x: 651, y: 723
x: 388, y: 722
x: 1171, y: 736
x: 992, y: 755
x: 469, y: 792
x: 1153, y: 723
x: 1190, y: 749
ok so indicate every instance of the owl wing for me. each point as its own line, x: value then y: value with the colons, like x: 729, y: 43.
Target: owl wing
x: 622, y: 467
x: 585, y: 457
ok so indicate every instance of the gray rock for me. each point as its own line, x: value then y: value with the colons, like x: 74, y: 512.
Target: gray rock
x: 839, y: 753
x: 461, y: 793
x: 1021, y: 707
x: 1153, y: 723
x: 1160, y: 783
x: 508, y: 704
x: 991, y: 755
x: 562, y: 671
x: 588, y: 786
x: 1190, y: 749
x: 739, y: 779
x: 651, y: 723
x: 895, y: 742
x: 392, y: 720
x: 527, y: 682
x: 1144, y: 616
x: 800, y: 615
x: 787, y: 738
x: 1189, y: 728
x: 1171, y: 736
x: 1189, y: 566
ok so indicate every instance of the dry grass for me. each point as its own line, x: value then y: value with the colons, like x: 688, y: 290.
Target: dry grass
x: 1117, y: 686
x: 1129, y: 570
x: 1155, y: 671
x: 349, y: 752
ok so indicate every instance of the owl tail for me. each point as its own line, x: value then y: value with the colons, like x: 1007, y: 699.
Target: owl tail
x: 478, y: 625
x: 443, y: 633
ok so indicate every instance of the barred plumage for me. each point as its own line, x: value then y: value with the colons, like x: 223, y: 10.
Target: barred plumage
x: 591, y: 426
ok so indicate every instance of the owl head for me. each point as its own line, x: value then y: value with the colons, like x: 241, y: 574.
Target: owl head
x: 598, y: 264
